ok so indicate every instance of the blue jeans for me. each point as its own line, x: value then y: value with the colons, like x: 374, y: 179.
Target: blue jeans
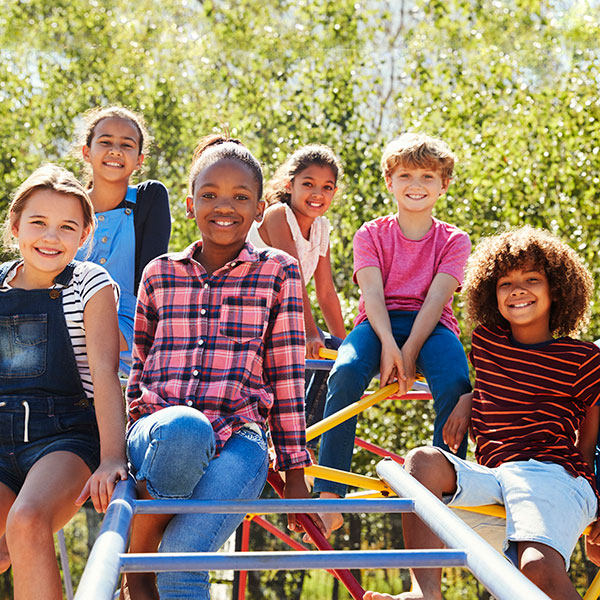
x: 441, y: 360
x: 315, y: 388
x: 173, y: 450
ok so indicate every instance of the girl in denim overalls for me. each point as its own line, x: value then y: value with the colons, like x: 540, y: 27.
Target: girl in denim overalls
x: 61, y: 407
x: 133, y: 222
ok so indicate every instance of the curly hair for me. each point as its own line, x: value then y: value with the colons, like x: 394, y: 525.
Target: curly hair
x: 571, y: 285
x: 418, y: 151
x: 214, y: 147
x: 312, y: 154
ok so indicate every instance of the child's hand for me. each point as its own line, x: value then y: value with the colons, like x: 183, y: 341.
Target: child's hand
x: 101, y: 483
x: 313, y: 344
x: 592, y: 543
x: 295, y: 487
x: 458, y: 422
x: 391, y: 367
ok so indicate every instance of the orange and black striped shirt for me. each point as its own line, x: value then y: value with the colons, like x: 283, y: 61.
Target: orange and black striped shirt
x: 529, y: 401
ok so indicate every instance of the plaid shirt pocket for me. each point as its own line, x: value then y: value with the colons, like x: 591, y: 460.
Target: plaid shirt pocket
x: 243, y: 318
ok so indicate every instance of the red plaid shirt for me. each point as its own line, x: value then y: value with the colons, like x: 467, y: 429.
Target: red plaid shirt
x: 230, y: 345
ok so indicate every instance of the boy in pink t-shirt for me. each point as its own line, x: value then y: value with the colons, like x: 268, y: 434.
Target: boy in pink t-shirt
x: 408, y: 266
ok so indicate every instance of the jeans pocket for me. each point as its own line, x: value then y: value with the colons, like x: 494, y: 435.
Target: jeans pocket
x: 23, y: 345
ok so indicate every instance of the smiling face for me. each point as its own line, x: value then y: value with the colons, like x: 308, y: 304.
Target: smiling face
x: 416, y: 190
x: 224, y: 205
x: 312, y: 191
x: 524, y: 300
x: 50, y: 230
x: 114, y: 151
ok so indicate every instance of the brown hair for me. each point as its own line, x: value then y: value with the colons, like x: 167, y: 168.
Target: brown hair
x: 92, y: 117
x: 312, y: 154
x: 571, y: 285
x: 419, y: 151
x: 47, y: 177
x: 215, y: 147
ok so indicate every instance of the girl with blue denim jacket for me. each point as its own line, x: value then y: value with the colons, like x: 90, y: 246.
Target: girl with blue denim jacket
x: 61, y: 408
x: 133, y: 222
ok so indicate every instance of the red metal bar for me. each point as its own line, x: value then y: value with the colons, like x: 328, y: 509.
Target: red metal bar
x: 344, y: 575
x: 290, y: 541
x: 244, y: 574
x: 377, y: 450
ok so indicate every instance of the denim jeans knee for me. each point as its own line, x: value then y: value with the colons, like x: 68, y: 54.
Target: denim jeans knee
x: 239, y: 472
x: 170, y: 449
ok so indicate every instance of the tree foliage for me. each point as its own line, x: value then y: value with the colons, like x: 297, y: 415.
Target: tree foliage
x: 511, y: 86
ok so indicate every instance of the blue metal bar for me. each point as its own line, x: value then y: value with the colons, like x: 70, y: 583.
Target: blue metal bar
x: 258, y: 561
x: 319, y: 365
x: 64, y: 563
x: 103, y: 567
x: 499, y: 576
x: 374, y: 505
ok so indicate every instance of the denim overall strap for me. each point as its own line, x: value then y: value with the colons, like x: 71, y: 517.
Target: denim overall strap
x: 36, y: 352
x: 113, y: 247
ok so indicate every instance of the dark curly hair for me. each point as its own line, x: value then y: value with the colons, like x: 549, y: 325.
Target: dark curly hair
x: 214, y: 147
x: 312, y: 154
x: 570, y: 282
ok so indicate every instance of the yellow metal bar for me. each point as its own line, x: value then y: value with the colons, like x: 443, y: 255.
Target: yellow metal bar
x: 593, y: 592
x: 327, y: 353
x: 350, y: 411
x: 362, y: 481
x: 369, y: 494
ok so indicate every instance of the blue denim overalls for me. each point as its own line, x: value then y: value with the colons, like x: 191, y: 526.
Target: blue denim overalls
x: 43, y: 406
x: 113, y: 247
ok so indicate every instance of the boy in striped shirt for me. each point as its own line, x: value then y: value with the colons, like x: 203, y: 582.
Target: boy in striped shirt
x: 533, y: 411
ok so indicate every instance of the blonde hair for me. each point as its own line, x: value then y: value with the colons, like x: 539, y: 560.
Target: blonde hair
x: 420, y: 151
x: 47, y: 177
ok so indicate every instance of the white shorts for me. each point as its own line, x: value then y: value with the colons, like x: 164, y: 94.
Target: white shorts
x: 544, y: 503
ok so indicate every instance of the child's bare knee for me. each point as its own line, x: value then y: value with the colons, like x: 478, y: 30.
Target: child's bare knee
x: 426, y: 465
x: 544, y: 567
x: 24, y: 520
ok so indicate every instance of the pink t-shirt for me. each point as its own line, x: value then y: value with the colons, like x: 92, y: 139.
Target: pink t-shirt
x: 409, y: 266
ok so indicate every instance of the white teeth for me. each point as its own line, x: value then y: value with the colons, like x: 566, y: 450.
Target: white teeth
x: 224, y: 223
x: 314, y: 204
x: 416, y: 196
x: 521, y: 305
x: 48, y: 252
x: 113, y: 164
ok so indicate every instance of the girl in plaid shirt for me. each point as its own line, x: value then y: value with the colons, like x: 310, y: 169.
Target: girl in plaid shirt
x: 218, y: 356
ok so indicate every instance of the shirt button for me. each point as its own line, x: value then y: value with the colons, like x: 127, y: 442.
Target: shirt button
x: 203, y: 311
x: 233, y: 264
x: 127, y: 211
x: 104, y: 240
x: 206, y: 286
x: 102, y: 261
x: 200, y: 342
x: 100, y: 217
x: 190, y: 403
x: 195, y: 372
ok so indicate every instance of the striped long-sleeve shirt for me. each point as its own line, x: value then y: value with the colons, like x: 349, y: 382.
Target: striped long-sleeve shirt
x: 230, y: 344
x: 529, y: 401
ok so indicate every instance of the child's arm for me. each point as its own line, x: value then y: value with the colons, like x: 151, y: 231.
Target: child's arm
x: 440, y: 291
x: 458, y: 422
x: 391, y: 365
x: 588, y: 435
x: 278, y: 235
x: 327, y: 297
x: 586, y: 442
x: 284, y: 372
x: 102, y: 343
